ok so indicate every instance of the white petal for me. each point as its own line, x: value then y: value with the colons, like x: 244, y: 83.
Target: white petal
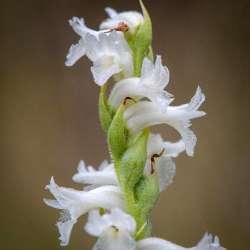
x: 97, y: 223
x: 178, y: 118
x: 151, y: 84
x: 138, y: 120
x: 104, y: 176
x: 147, y: 67
x: 137, y: 109
x: 207, y: 243
x: 104, y: 165
x: 166, y: 169
x: 189, y: 138
x: 105, y: 197
x: 65, y: 229
x: 110, y: 55
x: 161, y: 98
x: 155, y: 144
x: 80, y: 202
x: 123, y: 89
x: 154, y: 75
x: 52, y: 203
x: 74, y: 203
x: 76, y: 51
x: 111, y: 12
x: 102, y: 72
x: 196, y: 100
x: 121, y: 220
x: 113, y: 239
x: 173, y: 149
x: 154, y: 79
x: 55, y: 190
x: 93, y: 49
x: 190, y: 110
x: 131, y: 87
x: 157, y: 244
x: 80, y: 28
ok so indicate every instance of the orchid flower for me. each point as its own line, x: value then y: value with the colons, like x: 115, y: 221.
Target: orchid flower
x: 108, y: 51
x: 131, y: 18
x: 110, y: 55
x: 154, y: 78
x: 164, y: 166
x: 76, y: 51
x: 74, y: 203
x: 116, y: 231
x: 145, y: 114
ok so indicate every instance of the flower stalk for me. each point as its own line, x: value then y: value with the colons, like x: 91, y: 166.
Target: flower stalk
x: 120, y: 195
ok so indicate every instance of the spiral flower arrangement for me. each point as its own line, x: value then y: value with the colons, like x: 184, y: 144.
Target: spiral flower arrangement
x: 119, y: 196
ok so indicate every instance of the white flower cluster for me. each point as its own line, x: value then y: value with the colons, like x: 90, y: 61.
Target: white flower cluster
x: 102, y: 197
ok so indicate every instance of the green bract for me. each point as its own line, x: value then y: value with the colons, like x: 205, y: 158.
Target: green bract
x: 140, y: 41
x: 118, y: 135
x: 133, y: 161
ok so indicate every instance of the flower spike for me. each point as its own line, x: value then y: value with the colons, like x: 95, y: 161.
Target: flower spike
x: 118, y: 197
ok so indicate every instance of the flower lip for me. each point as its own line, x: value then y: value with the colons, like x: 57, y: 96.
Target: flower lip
x: 110, y: 55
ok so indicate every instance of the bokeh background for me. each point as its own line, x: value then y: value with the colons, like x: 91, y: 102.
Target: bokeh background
x: 49, y: 118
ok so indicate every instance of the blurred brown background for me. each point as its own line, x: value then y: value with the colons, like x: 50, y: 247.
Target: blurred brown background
x: 49, y: 118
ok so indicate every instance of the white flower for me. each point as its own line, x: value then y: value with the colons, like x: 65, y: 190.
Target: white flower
x: 131, y: 18
x: 74, y: 203
x: 107, y: 49
x: 76, y: 51
x: 208, y: 242
x: 154, y: 78
x: 144, y: 114
x: 105, y: 175
x: 110, y: 55
x: 115, y: 230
